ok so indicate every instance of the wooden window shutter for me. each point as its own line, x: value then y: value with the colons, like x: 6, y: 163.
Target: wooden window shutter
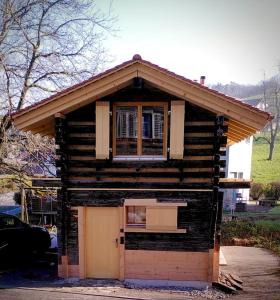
x: 102, y: 130
x: 177, y: 125
x: 161, y: 218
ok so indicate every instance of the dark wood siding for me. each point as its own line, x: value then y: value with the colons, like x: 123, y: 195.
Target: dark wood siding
x: 195, y: 218
x: 195, y: 171
x: 200, y: 169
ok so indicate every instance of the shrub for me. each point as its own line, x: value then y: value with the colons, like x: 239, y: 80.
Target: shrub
x: 272, y: 190
x: 256, y: 190
x: 267, y: 191
x: 275, y: 186
x: 264, y: 233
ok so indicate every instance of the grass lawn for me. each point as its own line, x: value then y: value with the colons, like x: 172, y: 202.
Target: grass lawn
x: 271, y: 215
x: 263, y: 170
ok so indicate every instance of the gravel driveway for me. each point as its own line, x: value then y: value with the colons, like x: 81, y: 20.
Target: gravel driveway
x: 257, y: 267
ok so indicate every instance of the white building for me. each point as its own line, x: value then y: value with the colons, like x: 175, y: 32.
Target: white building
x: 239, y: 161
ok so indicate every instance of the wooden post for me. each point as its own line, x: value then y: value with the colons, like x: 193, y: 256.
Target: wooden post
x: 22, y: 201
x: 81, y: 241
x: 26, y: 209
x: 62, y: 197
x: 214, y: 238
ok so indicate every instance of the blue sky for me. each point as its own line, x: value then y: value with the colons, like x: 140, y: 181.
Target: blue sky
x: 222, y: 39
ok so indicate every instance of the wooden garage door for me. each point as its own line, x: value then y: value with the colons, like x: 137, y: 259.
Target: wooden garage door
x: 102, y: 242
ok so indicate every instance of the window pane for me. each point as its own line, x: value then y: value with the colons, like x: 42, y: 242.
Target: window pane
x: 152, y: 130
x: 136, y: 215
x: 126, y: 139
x: 140, y: 215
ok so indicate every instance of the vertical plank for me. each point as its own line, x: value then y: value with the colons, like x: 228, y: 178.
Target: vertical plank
x: 177, y: 129
x: 81, y: 230
x: 102, y: 129
x: 121, y: 213
x: 210, y: 265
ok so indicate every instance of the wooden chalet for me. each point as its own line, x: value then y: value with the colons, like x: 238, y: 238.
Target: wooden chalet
x: 139, y: 161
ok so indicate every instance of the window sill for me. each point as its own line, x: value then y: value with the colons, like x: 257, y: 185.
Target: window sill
x: 160, y: 230
x: 139, y: 158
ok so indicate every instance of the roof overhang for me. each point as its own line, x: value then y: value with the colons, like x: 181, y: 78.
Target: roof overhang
x: 244, y: 120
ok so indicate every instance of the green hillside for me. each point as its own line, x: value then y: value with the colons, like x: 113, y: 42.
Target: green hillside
x: 265, y: 171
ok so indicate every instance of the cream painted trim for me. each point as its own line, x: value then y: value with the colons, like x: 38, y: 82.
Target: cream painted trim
x: 138, y: 229
x: 198, y: 95
x: 120, y: 78
x: 177, y: 127
x: 121, y: 246
x: 150, y: 202
x: 81, y: 241
x: 76, y: 99
x: 102, y: 129
x: 201, y: 99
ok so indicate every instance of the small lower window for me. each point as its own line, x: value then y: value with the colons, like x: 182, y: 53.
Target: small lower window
x: 136, y: 215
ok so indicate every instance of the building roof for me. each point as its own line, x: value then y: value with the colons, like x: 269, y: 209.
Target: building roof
x: 253, y: 102
x: 244, y: 119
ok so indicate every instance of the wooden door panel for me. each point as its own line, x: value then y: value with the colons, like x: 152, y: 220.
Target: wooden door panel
x: 102, y: 248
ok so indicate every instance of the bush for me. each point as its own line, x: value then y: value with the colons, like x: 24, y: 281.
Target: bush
x: 262, y: 233
x: 256, y: 190
x: 267, y: 191
x: 275, y: 186
x: 240, y: 229
x: 272, y: 190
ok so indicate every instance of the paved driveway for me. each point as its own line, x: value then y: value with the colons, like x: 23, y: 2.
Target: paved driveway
x: 259, y: 269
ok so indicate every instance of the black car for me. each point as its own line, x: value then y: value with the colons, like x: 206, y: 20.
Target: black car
x: 19, y: 237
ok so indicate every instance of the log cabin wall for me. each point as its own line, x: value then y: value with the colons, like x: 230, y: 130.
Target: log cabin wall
x: 201, y: 164
x: 194, y: 171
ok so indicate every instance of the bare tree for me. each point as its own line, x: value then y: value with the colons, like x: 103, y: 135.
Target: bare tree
x: 271, y: 98
x: 27, y: 154
x: 238, y: 90
x: 269, y: 91
x: 45, y: 46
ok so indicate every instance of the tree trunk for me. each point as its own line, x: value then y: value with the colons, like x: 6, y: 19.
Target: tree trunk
x: 271, y: 148
x: 272, y: 142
